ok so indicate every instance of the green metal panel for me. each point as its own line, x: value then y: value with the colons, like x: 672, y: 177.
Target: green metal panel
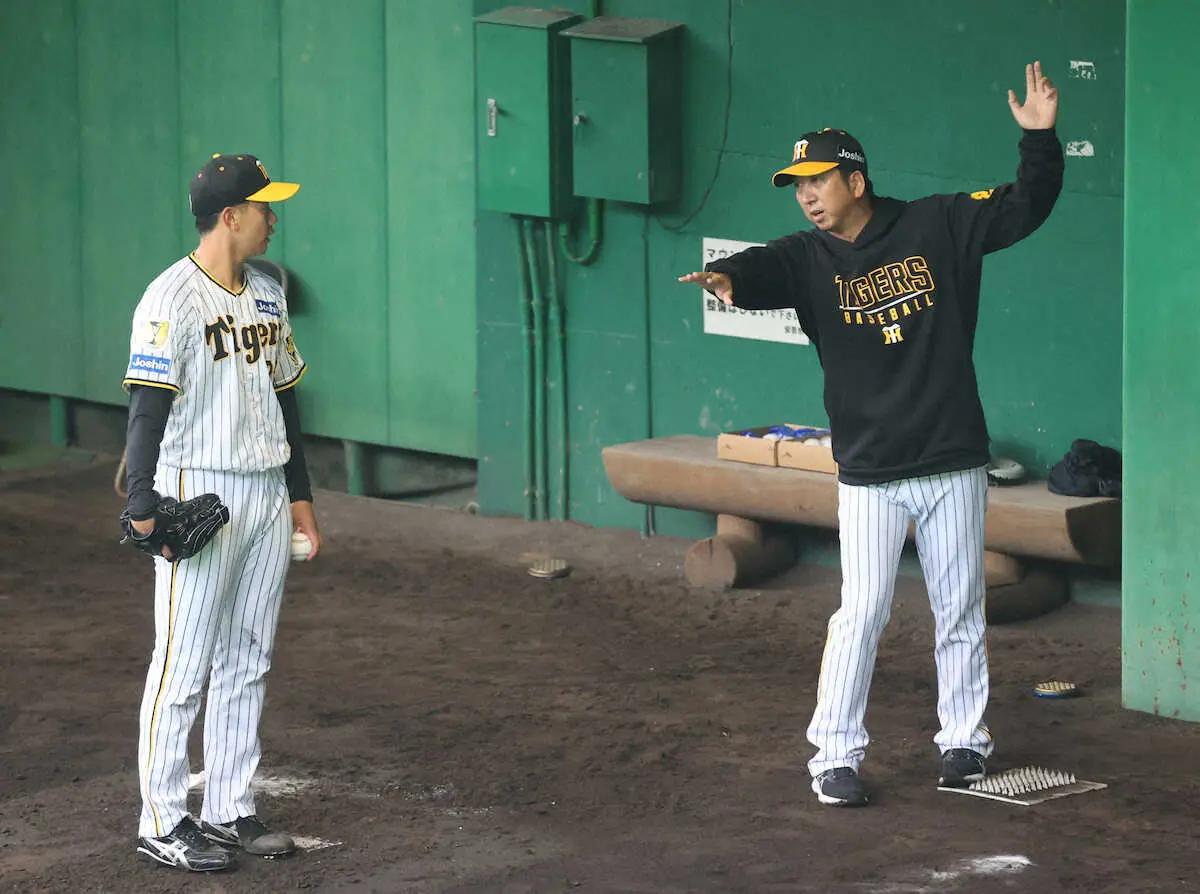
x: 1161, y: 645
x: 334, y: 142
x: 626, y: 88
x: 502, y: 426
x: 522, y: 88
x: 132, y: 185
x: 229, y: 114
x: 431, y: 239
x: 608, y: 379
x: 973, y: 52
x: 41, y: 327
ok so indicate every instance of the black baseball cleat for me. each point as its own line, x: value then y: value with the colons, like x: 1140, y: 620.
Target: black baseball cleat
x: 840, y: 787
x: 961, y: 767
x: 249, y: 834
x: 186, y: 848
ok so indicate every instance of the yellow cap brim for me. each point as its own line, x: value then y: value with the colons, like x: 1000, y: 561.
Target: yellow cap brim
x: 276, y: 191
x: 802, y: 169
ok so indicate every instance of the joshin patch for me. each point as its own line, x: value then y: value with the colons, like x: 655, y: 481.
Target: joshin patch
x: 146, y: 363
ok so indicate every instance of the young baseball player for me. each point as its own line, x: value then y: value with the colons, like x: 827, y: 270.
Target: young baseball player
x: 888, y: 293
x: 211, y: 371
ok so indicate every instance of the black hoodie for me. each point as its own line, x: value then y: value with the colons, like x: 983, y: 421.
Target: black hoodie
x: 892, y: 316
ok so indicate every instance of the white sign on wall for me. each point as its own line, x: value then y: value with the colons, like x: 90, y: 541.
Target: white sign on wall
x: 763, y: 325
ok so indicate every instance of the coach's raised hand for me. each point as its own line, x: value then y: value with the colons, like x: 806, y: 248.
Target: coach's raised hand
x: 717, y: 283
x: 1040, y: 109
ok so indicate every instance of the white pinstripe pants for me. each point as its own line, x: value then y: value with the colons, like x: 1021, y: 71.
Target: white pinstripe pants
x: 949, y: 512
x: 215, y: 616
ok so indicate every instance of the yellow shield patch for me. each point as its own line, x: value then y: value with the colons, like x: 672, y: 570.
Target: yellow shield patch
x: 156, y: 332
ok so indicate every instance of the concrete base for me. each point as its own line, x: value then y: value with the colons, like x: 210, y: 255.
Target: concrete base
x: 388, y: 472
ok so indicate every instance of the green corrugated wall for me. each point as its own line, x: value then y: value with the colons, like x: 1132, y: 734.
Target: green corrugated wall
x: 924, y: 87
x: 1162, y: 414
x: 110, y: 105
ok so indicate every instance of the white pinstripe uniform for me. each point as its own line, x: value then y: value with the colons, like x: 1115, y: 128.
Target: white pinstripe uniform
x: 949, y: 511
x: 214, y: 614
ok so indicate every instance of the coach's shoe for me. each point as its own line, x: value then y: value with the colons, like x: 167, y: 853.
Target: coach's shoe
x: 840, y: 787
x: 186, y: 848
x: 249, y: 833
x: 961, y: 767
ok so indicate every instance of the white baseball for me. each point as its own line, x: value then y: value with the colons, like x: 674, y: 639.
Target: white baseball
x: 301, y: 546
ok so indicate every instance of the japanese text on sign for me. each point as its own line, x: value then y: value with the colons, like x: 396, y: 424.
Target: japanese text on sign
x: 763, y: 325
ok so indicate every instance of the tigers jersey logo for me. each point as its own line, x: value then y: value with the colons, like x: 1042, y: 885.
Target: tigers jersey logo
x: 291, y: 349
x: 156, y: 332
x: 982, y: 194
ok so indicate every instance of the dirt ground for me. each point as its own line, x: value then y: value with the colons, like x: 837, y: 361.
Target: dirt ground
x: 446, y: 723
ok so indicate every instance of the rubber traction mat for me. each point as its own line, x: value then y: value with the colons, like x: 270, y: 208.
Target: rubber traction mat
x: 1027, y: 786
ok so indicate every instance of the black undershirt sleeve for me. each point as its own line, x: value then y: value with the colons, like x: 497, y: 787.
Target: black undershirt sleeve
x: 295, y: 470
x: 766, y: 277
x: 149, y: 408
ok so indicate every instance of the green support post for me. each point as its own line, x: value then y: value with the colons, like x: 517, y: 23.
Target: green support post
x: 355, y: 461
x: 60, y: 421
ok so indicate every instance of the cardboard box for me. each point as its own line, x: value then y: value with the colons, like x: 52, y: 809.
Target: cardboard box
x: 791, y: 453
x: 807, y: 453
x: 751, y: 448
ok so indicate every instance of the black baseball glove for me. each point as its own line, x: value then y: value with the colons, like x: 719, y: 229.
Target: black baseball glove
x: 184, y: 528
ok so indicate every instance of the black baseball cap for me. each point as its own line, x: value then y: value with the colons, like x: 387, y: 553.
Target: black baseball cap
x: 229, y: 180
x: 821, y: 151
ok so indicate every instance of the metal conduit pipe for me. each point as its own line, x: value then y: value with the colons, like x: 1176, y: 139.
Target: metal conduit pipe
x: 558, y: 331
x: 595, y: 234
x: 527, y: 361
x: 538, y: 307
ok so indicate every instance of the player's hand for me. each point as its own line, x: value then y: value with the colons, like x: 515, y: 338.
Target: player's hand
x: 145, y: 527
x: 1040, y: 109
x: 304, y: 520
x: 717, y: 283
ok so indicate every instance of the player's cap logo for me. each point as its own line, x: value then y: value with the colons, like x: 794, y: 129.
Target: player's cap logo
x: 228, y: 180
x: 156, y: 332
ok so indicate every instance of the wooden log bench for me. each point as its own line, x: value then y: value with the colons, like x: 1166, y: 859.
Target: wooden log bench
x: 1024, y: 521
